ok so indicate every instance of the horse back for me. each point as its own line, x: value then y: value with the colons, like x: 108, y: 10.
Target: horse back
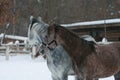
x: 105, y: 61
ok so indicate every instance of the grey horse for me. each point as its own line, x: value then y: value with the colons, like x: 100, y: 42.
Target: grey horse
x: 58, y: 61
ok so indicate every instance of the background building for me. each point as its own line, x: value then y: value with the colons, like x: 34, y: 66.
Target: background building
x: 17, y: 13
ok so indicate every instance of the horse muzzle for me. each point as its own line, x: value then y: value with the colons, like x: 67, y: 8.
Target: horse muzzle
x: 38, y: 51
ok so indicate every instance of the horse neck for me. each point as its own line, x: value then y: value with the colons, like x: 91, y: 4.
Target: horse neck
x: 70, y: 41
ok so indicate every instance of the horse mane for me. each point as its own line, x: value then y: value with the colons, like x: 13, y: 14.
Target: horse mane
x: 64, y: 33
x: 67, y: 31
x: 86, y: 39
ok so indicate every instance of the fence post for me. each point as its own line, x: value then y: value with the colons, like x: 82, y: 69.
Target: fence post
x: 7, y: 53
x: 33, y: 51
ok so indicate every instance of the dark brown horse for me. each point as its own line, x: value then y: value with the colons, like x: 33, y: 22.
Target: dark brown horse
x: 90, y: 60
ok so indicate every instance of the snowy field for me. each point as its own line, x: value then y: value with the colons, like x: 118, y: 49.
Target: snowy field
x: 22, y: 67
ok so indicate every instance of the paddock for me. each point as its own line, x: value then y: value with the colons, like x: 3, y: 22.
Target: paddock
x: 23, y: 67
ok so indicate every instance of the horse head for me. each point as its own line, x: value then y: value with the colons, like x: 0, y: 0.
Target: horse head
x: 37, y: 32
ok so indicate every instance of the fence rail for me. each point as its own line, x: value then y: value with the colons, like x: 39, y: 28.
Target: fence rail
x: 7, y: 50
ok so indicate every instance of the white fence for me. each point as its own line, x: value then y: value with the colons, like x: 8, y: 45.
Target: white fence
x: 9, y: 49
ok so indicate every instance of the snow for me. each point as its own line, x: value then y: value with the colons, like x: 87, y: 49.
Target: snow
x: 107, y: 21
x: 17, y: 42
x: 23, y: 67
x: 104, y: 40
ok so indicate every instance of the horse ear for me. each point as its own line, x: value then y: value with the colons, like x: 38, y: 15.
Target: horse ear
x: 39, y: 18
x: 31, y: 17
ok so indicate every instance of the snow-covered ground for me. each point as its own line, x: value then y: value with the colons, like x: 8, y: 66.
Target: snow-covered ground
x: 22, y: 67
